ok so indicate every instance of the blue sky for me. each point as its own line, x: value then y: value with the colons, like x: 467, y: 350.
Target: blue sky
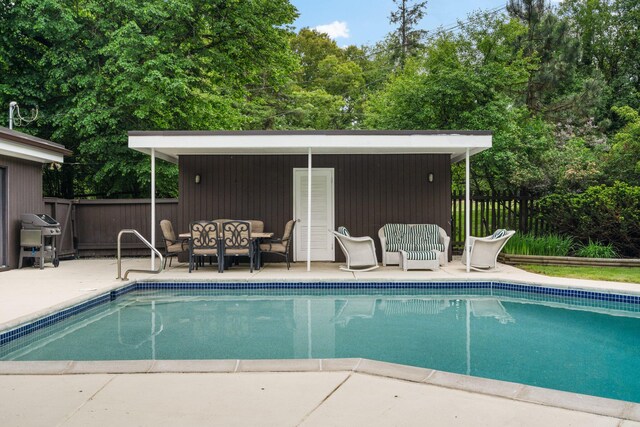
x: 367, y: 21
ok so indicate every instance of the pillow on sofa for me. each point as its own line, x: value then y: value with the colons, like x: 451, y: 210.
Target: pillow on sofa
x: 394, y: 235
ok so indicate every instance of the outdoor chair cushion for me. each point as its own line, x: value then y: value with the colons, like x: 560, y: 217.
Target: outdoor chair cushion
x: 421, y: 255
x: 205, y: 251
x: 176, y: 247
x: 236, y: 251
x: 343, y: 230
x: 273, y: 247
x: 500, y: 232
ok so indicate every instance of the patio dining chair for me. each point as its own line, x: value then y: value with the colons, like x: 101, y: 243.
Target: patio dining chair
x: 360, y: 252
x: 282, y: 246
x: 204, y: 242
x: 483, y: 251
x: 172, y: 244
x: 236, y: 240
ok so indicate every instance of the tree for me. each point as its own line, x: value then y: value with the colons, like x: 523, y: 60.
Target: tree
x: 406, y: 37
x: 98, y: 69
x: 554, y: 88
x: 624, y: 159
x: 468, y: 81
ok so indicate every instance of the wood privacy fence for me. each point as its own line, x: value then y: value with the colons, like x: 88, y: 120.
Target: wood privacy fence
x: 514, y: 211
x: 90, y: 227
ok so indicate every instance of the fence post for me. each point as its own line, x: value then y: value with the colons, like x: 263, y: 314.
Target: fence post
x: 523, y: 213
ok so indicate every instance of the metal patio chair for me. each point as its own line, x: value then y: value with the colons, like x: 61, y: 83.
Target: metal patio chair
x: 236, y: 241
x: 204, y: 242
x: 282, y: 246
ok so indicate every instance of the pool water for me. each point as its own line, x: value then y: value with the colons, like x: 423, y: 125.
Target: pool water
x: 555, y: 343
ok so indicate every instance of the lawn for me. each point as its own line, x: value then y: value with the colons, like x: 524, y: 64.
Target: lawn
x: 615, y: 274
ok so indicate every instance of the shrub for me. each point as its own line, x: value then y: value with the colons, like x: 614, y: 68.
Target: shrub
x: 528, y: 244
x: 608, y: 214
x: 596, y: 250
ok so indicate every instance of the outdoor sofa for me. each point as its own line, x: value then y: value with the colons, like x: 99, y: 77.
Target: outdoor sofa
x: 417, y: 241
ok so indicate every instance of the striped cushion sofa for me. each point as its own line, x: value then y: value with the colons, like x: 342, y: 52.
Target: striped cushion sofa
x: 412, y: 238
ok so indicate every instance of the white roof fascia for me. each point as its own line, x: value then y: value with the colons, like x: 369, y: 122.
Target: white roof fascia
x: 21, y: 151
x: 169, y: 146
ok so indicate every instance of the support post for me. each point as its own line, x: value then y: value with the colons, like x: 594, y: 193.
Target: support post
x: 153, y: 207
x: 309, y: 211
x: 467, y: 210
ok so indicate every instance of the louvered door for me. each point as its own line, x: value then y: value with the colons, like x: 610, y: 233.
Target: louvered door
x: 322, y: 214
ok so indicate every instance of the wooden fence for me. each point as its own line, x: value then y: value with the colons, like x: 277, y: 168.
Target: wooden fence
x: 513, y: 211
x: 90, y: 227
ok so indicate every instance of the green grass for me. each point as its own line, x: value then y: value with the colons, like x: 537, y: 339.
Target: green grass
x: 614, y: 274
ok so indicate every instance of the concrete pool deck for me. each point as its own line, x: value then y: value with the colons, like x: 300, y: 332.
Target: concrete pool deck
x: 311, y: 392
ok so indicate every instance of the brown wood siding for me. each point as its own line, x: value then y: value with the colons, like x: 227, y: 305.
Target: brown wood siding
x: 24, y: 195
x: 98, y: 222
x: 370, y: 190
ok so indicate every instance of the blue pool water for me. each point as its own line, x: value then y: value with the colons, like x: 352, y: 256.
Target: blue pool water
x: 571, y: 344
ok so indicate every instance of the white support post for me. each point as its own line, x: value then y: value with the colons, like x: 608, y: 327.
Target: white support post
x: 467, y: 210
x: 153, y: 207
x: 309, y: 211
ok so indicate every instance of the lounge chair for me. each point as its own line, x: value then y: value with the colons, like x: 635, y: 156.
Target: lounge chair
x: 360, y: 252
x: 483, y: 251
x: 172, y: 244
x: 281, y: 246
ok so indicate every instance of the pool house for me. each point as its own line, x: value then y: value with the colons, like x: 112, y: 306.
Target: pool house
x: 324, y: 179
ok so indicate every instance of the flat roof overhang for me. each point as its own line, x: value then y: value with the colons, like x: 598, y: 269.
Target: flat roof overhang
x: 170, y: 145
x: 23, y: 146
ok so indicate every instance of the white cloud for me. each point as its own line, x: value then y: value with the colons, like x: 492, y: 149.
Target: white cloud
x: 335, y: 30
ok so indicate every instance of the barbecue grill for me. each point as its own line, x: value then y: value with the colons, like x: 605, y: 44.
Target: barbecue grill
x: 38, y: 239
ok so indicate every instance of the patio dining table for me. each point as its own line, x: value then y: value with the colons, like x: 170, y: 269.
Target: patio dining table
x: 255, y: 237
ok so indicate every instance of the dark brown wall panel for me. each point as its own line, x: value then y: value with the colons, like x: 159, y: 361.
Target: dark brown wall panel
x: 370, y: 190
x: 98, y: 222
x: 24, y: 195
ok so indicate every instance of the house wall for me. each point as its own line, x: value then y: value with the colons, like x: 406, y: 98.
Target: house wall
x: 370, y: 190
x: 24, y: 195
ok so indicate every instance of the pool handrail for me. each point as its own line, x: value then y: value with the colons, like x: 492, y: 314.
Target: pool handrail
x: 147, y: 244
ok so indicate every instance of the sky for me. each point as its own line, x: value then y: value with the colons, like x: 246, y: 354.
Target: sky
x: 367, y: 21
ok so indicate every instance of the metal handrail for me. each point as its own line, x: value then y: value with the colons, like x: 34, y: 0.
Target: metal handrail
x: 143, y: 240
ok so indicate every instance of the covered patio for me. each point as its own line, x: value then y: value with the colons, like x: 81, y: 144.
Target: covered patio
x: 359, y: 179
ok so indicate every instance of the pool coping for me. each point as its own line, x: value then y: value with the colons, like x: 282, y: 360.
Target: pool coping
x: 508, y: 390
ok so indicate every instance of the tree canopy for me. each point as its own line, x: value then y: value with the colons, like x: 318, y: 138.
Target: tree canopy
x: 558, y: 85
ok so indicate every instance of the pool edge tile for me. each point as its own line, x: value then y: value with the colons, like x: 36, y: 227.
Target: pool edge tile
x: 48, y: 367
x: 279, y: 365
x: 393, y: 370
x: 574, y: 401
x: 475, y: 384
x: 110, y: 367
x: 194, y: 366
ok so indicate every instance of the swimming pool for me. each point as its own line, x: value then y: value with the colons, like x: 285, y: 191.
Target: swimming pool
x: 572, y: 340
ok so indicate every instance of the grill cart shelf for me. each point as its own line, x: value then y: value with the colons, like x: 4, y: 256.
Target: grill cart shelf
x: 38, y: 239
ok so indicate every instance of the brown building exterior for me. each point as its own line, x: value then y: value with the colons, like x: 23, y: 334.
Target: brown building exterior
x: 21, y: 160
x: 369, y: 190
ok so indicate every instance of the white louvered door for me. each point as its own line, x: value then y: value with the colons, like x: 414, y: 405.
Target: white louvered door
x: 322, y: 214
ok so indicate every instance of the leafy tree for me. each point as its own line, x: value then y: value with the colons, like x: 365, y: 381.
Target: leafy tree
x: 406, y: 36
x: 98, y: 69
x: 468, y: 81
x: 624, y: 158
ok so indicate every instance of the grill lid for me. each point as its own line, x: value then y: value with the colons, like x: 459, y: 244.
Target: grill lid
x: 38, y: 220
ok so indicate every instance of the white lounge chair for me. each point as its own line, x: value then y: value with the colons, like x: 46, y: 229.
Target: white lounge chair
x: 483, y: 251
x: 360, y: 252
